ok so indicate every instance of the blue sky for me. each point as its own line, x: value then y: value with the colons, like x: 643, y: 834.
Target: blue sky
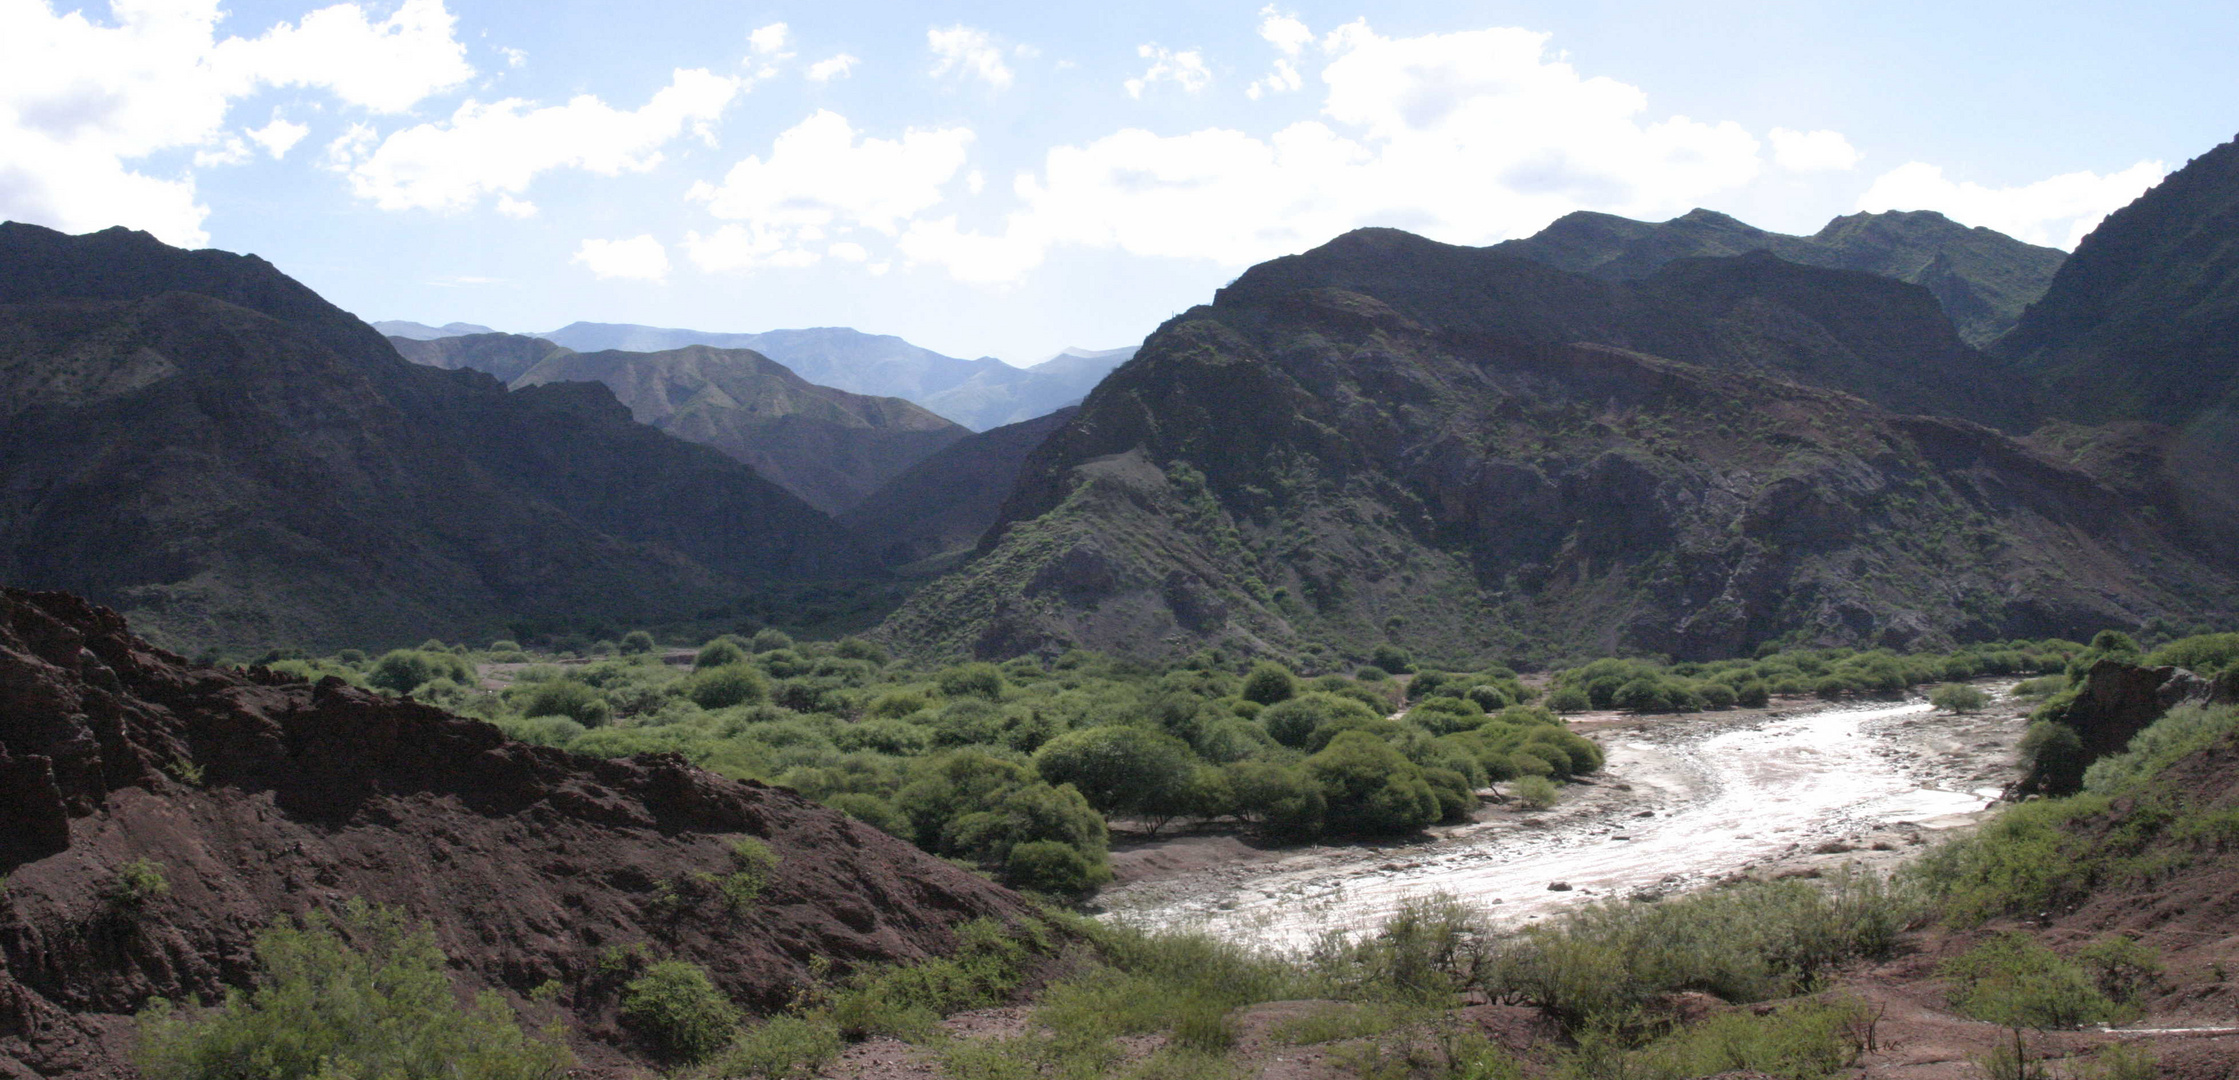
x: 1009, y: 179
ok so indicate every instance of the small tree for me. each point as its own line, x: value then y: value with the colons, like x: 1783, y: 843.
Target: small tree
x: 637, y: 643
x: 1122, y: 769
x: 680, y: 1010
x: 725, y: 686
x: 1958, y: 698
x: 2014, y: 981
x: 1269, y: 684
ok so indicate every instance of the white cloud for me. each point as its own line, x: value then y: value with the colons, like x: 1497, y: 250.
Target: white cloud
x: 1185, y: 69
x: 2057, y: 211
x: 513, y: 57
x: 836, y: 67
x: 279, y: 136
x: 1282, y: 80
x: 500, y: 147
x: 1812, y: 151
x: 84, y: 103
x: 639, y: 258
x: 821, y: 180
x: 516, y: 208
x: 1283, y: 31
x: 968, y: 54
x: 1467, y: 137
x: 769, y: 40
x: 386, y: 66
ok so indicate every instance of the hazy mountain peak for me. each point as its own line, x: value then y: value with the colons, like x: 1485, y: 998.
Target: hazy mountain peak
x: 405, y: 328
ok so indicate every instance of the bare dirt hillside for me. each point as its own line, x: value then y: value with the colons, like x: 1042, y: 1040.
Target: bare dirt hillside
x: 261, y: 795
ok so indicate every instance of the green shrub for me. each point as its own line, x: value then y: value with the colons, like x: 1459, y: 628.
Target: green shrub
x: 971, y: 680
x: 1569, y: 699
x: 678, y: 1009
x: 637, y: 643
x: 363, y: 994
x: 2121, y: 968
x: 1280, y: 801
x: 770, y: 639
x: 1370, y: 788
x: 2024, y: 860
x: 718, y: 653
x: 1536, y: 792
x: 1293, y: 722
x: 1050, y: 866
x: 2014, y: 981
x: 782, y: 1048
x: 2052, y: 759
x: 136, y: 885
x: 753, y: 865
x: 871, y: 810
x: 1392, y: 659
x: 1958, y: 698
x: 1268, y: 684
x: 1806, y: 1040
x: 1372, y: 674
x: 725, y: 686
x: 1122, y: 769
x: 404, y: 670
x: 568, y: 698
x: 2181, y: 731
x: 2206, y: 655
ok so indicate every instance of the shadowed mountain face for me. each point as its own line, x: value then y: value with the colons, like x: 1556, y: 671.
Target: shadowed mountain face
x: 945, y: 503
x: 1388, y: 438
x: 1863, y: 334
x: 979, y: 394
x: 828, y: 446
x: 2142, y: 325
x: 197, y: 439
x: 1982, y: 278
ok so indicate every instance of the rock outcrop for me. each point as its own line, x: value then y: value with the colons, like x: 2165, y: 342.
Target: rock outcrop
x: 260, y: 796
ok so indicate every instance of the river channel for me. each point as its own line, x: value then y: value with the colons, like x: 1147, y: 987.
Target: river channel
x: 1681, y: 802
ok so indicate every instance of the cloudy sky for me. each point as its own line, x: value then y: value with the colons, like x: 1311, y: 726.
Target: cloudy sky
x: 1012, y: 178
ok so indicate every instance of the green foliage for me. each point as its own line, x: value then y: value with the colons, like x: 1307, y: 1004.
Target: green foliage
x: 1122, y: 769
x: 1392, y: 659
x: 363, y: 994
x: 1536, y: 792
x: 1569, y: 699
x: 971, y: 680
x: 565, y: 697
x: 721, y: 652
x: 1294, y: 722
x: 2206, y: 655
x: 2052, y: 758
x: 1050, y: 866
x: 726, y: 685
x: 782, y: 1048
x: 1806, y: 1040
x: 2184, y: 730
x: 637, y: 643
x: 2120, y: 967
x: 1268, y: 684
x: 2027, y: 859
x: 1281, y: 801
x: 136, y: 885
x: 1370, y: 788
x: 770, y: 640
x: 2015, y: 981
x: 754, y: 864
x: 1958, y: 698
x: 404, y: 670
x: 679, y: 1010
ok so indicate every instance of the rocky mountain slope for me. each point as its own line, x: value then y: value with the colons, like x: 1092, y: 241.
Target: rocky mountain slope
x: 200, y: 440
x: 828, y: 446
x: 257, y: 796
x: 979, y: 394
x: 1392, y: 439
x: 2140, y: 332
x: 945, y: 503
x: 1982, y: 278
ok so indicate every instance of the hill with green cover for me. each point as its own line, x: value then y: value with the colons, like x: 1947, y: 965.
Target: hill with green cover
x: 1472, y: 455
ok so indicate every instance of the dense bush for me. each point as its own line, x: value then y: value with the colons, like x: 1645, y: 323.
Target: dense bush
x: 1958, y: 698
x: 404, y: 670
x: 564, y: 697
x: 1370, y: 788
x: 679, y: 1010
x: 726, y: 685
x: 362, y: 993
x: 1123, y: 770
x: 1269, y: 684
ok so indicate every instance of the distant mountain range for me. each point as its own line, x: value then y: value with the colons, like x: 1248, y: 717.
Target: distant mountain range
x: 198, y: 440
x: 828, y: 446
x: 1479, y: 454
x: 979, y: 394
x: 423, y: 332
x: 1982, y: 278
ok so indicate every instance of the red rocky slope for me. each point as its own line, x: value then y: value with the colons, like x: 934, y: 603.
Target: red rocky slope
x: 529, y: 863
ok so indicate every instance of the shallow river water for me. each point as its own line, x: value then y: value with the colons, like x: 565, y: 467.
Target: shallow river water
x: 1703, y: 800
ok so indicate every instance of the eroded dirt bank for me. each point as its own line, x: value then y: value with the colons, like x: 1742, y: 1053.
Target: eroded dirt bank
x: 1683, y: 801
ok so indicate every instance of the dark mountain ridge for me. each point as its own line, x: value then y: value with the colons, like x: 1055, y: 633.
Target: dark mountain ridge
x: 945, y: 503
x: 200, y: 440
x: 1473, y: 455
x: 1982, y: 278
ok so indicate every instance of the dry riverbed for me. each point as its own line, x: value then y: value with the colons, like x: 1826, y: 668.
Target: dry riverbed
x: 1798, y: 789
